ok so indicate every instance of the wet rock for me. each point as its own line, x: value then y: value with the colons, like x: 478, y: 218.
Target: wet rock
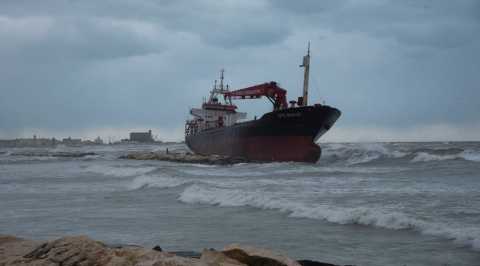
x: 253, y: 256
x: 12, y: 248
x: 69, y: 251
x: 187, y: 254
x: 184, y: 158
x: 314, y: 263
x: 81, y: 251
x: 72, y: 154
x: 216, y: 258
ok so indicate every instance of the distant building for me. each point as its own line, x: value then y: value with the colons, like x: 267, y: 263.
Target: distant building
x: 141, y: 136
x: 98, y: 141
x: 28, y: 142
x: 72, y: 142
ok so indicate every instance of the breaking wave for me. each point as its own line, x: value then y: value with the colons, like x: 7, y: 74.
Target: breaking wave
x: 465, y: 155
x: 368, y: 216
x: 157, y: 181
x: 359, y: 153
x: 362, y: 153
x: 426, y: 157
x: 471, y: 156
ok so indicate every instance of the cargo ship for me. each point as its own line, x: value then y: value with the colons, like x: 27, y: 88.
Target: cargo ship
x: 288, y: 133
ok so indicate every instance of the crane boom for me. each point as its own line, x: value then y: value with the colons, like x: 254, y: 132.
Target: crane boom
x: 271, y: 90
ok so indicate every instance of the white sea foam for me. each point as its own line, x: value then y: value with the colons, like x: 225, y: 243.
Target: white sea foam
x: 368, y: 216
x: 222, y: 172
x: 157, y: 181
x: 203, y: 165
x: 427, y: 157
x: 471, y: 155
x: 119, y: 171
x: 469, y: 237
x: 360, y: 153
x: 163, y: 181
x: 222, y: 197
x: 465, y: 155
x: 363, y: 170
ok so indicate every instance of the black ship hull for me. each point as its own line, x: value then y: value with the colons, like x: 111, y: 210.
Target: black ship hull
x: 282, y: 135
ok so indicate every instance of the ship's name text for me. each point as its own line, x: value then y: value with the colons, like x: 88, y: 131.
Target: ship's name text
x: 285, y: 115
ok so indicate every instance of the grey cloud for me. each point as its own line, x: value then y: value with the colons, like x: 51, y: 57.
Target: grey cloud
x: 87, y: 64
x: 242, y: 23
x: 439, y: 24
x: 47, y: 39
x: 308, y: 7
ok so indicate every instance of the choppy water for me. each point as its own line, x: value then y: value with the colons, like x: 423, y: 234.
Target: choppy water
x: 363, y: 203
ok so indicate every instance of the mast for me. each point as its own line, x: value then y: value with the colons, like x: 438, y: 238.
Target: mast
x: 212, y: 93
x: 221, y: 79
x: 219, y: 88
x: 306, y: 65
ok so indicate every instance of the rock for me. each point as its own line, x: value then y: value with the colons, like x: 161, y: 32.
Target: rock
x: 216, y: 258
x: 187, y: 254
x: 81, y: 251
x: 252, y: 256
x: 184, y: 158
x: 66, y: 251
x: 155, y: 258
x: 313, y: 263
x: 72, y: 154
x: 12, y: 248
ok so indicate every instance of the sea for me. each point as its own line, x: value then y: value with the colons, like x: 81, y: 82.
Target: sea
x: 361, y: 204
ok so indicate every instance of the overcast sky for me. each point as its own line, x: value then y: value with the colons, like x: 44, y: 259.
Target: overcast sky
x: 398, y: 70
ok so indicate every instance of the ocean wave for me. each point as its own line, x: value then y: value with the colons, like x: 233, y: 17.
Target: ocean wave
x: 203, y: 165
x: 24, y: 159
x: 119, y: 171
x: 222, y: 197
x: 438, y: 150
x: 427, y: 157
x: 465, y: 155
x: 362, y: 153
x: 471, y: 156
x: 367, y: 216
x: 157, y: 181
x: 48, y: 153
x: 223, y: 172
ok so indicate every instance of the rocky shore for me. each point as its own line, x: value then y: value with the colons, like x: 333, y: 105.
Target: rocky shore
x: 184, y: 158
x: 83, y: 251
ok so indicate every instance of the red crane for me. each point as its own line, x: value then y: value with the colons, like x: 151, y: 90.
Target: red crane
x: 276, y: 95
